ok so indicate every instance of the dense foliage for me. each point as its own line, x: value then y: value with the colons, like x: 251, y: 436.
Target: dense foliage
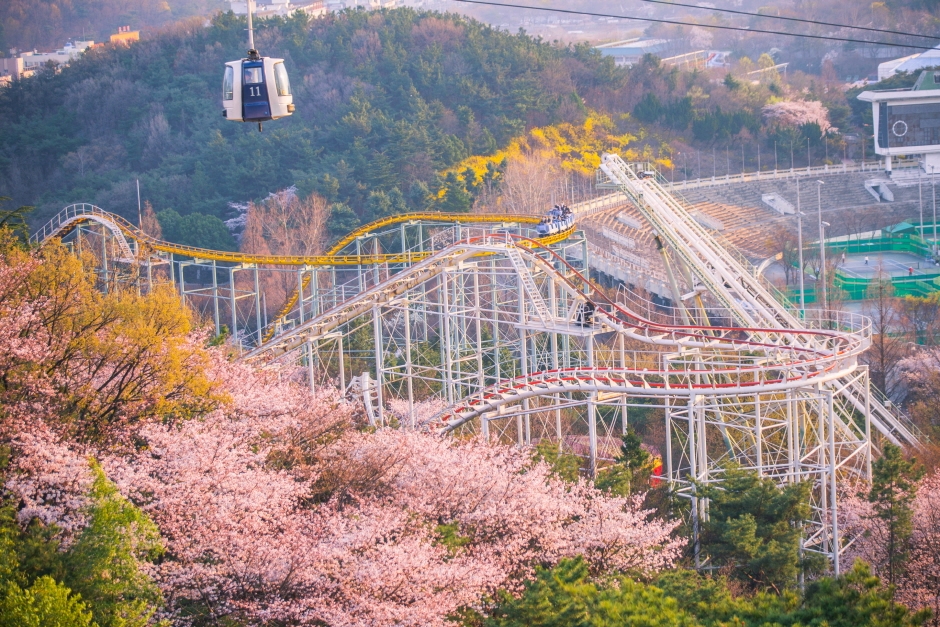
x: 42, y: 24
x: 566, y: 595
x: 385, y: 101
x: 145, y: 476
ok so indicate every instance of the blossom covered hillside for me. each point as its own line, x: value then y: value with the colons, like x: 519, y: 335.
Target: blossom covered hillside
x: 143, y: 469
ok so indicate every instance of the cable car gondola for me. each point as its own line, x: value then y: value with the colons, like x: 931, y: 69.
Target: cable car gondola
x: 256, y: 89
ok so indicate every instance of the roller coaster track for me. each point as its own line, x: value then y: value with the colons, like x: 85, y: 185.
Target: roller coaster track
x: 729, y: 281
x: 73, y: 215
x: 513, y: 338
x: 824, y: 346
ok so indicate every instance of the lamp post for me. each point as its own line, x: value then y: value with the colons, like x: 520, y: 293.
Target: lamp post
x: 822, y: 244
x: 799, y: 245
x: 920, y: 198
x: 933, y: 186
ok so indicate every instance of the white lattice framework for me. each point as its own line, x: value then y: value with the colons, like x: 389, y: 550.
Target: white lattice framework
x: 505, y: 337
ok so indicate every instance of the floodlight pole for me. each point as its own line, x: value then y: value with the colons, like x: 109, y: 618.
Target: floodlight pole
x: 799, y: 244
x: 822, y: 245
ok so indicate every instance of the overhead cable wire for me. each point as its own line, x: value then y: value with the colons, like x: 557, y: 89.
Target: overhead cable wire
x: 882, y: 31
x: 507, y: 5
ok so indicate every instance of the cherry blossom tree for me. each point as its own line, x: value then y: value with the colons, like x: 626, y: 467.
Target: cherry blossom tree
x: 795, y: 113
x: 273, y: 503
x: 919, y: 585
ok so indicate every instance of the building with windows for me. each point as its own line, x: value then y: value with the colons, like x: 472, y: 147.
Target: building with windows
x: 71, y: 51
x: 12, y: 69
x: 907, y: 121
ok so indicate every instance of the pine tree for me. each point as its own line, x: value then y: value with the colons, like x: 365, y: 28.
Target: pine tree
x: 893, y: 488
x: 753, y: 529
x: 631, y: 472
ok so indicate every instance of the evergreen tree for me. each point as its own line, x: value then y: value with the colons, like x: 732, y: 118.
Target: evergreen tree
x: 565, y: 597
x: 196, y: 229
x: 456, y: 197
x: 104, y: 564
x: 631, y: 471
x: 342, y: 220
x: 857, y: 598
x: 753, y: 529
x: 893, y: 488
x: 565, y: 465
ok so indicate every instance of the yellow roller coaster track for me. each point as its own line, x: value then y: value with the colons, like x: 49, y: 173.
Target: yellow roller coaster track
x: 66, y: 221
x: 330, y: 258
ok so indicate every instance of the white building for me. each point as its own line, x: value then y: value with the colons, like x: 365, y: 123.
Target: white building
x: 282, y: 8
x: 12, y: 69
x: 907, y: 121
x: 71, y: 51
x: 910, y: 64
x: 630, y: 51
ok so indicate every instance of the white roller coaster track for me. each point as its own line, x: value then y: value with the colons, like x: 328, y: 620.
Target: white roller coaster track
x: 729, y: 281
x: 496, y: 326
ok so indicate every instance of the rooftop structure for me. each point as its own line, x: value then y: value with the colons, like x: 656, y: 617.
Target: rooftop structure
x: 125, y: 36
x: 270, y: 8
x: 12, y: 69
x: 912, y: 63
x: 630, y: 51
x: 907, y: 121
x: 71, y: 51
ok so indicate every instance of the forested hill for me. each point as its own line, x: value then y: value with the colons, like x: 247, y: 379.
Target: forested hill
x: 385, y: 102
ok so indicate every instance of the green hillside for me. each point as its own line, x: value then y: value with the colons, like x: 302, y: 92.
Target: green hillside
x: 385, y: 101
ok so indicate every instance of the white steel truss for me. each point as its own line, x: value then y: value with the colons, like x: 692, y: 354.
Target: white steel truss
x: 504, y: 336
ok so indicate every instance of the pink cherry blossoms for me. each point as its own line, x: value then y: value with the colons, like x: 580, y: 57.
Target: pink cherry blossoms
x: 796, y: 113
x: 272, y: 503
x: 274, y: 508
x: 919, y: 584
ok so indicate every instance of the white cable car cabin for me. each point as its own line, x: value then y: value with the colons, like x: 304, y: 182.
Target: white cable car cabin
x: 256, y: 89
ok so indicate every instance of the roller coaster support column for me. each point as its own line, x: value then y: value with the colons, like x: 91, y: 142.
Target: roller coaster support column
x: 478, y: 332
x: 825, y: 469
x: 258, y: 323
x: 592, y: 413
x: 300, y: 292
x: 524, y: 364
x: 232, y: 298
x: 310, y: 367
x: 693, y: 476
x: 379, y: 364
x: 446, y: 349
x: 182, y: 284
x: 553, y: 307
x: 215, y: 298
x: 104, y: 259
x: 409, y: 368
x: 834, y: 516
